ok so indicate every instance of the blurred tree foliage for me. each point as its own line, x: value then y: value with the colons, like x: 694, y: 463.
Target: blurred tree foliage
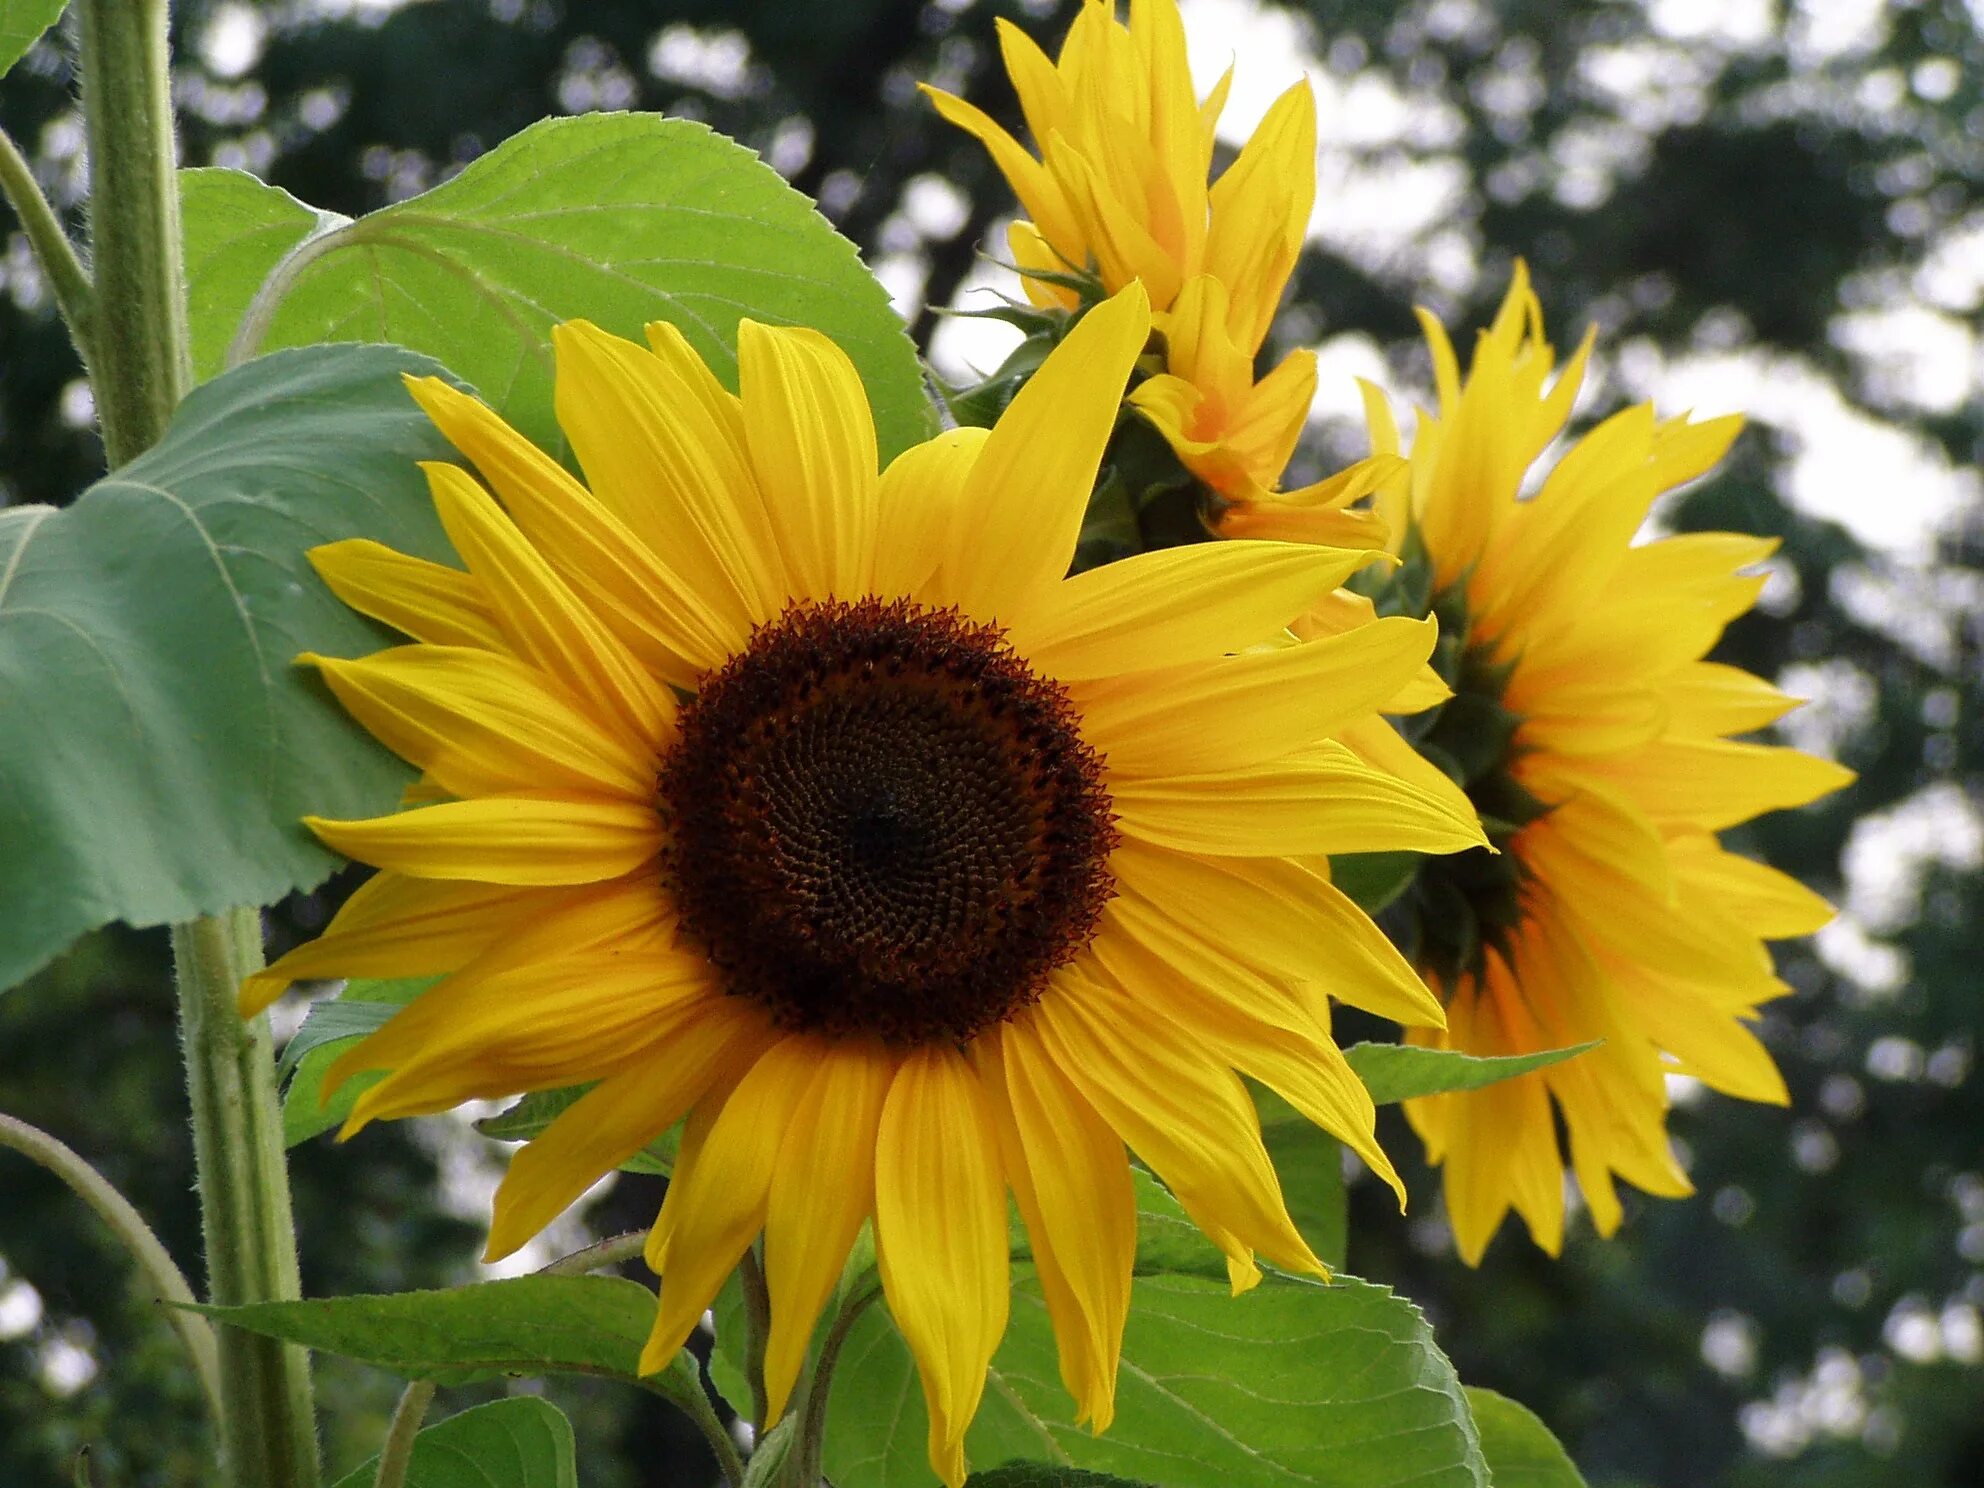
x: 1749, y: 179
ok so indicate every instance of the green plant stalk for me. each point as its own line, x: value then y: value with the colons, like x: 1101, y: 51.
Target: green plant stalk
x: 396, y: 1454
x: 67, y: 277
x: 804, y: 1467
x: 163, y: 1279
x: 140, y: 370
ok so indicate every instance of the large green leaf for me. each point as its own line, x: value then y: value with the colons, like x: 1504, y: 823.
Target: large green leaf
x: 526, y: 1325
x: 1294, y: 1383
x: 332, y: 1027
x: 157, y: 743
x: 1046, y: 1475
x: 619, y: 218
x: 522, y: 1442
x: 1396, y: 1072
x: 1520, y: 1450
x: 21, y: 25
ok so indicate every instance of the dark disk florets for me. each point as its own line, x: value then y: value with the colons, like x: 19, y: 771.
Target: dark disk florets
x: 882, y: 821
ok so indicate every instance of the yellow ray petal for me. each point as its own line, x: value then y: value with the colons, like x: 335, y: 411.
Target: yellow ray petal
x: 504, y: 839
x: 1283, y: 917
x: 1707, y: 700
x: 1243, y: 711
x: 1771, y: 904
x: 662, y: 619
x: 1071, y: 1177
x: 812, y: 445
x: 395, y: 926
x: 1716, y: 784
x: 1324, y: 800
x: 662, y: 455
x: 1180, y: 1109
x: 538, y: 612
x: 822, y: 1192
x: 695, y: 1042
x: 1260, y: 213
x: 1028, y: 489
x: 1039, y: 193
x: 940, y: 1237
x: 483, y: 723
x: 918, y: 501
x: 716, y: 1201
x: 429, y: 601
x: 1177, y: 605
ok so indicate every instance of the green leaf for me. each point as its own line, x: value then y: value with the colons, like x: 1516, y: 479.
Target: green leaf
x: 1047, y: 1475
x: 525, y: 1325
x: 330, y: 1027
x: 522, y: 1442
x: 1293, y: 1383
x: 1396, y: 1072
x: 237, y: 229
x: 619, y: 218
x: 534, y: 1112
x: 1520, y: 1450
x: 1309, y: 1162
x: 21, y: 25
x: 151, y: 628
x: 1374, y: 879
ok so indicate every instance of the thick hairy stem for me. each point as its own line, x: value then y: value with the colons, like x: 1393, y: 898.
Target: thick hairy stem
x: 804, y: 1471
x: 162, y: 1277
x: 139, y: 371
x: 397, y: 1451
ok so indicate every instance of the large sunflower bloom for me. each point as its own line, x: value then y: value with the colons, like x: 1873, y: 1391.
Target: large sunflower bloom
x: 1612, y: 913
x: 1119, y: 194
x: 821, y: 811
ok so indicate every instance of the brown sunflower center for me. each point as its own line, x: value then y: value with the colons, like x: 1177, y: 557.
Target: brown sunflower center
x: 882, y: 821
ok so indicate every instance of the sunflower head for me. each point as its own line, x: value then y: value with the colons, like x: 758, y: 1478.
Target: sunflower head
x: 816, y: 809
x: 1595, y: 742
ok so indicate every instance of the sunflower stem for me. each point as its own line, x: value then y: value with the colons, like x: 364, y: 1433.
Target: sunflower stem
x: 396, y: 1452
x: 808, y: 1455
x: 140, y: 370
x: 67, y: 277
x: 269, y: 1434
x: 163, y: 1278
x: 757, y: 1327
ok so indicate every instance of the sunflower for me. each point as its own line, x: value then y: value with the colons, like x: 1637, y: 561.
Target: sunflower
x: 821, y: 813
x: 1595, y: 741
x: 1120, y: 195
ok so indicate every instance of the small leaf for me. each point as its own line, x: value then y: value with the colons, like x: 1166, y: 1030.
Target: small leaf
x: 1047, y: 1475
x: 1396, y: 1072
x: 1520, y: 1450
x: 531, y: 1114
x: 521, y: 1442
x: 619, y: 218
x: 330, y: 1027
x: 525, y: 1325
x: 151, y: 627
x: 21, y: 25
x: 1374, y: 879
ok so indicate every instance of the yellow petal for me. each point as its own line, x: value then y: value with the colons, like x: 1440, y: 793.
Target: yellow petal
x: 1716, y: 784
x: 1071, y: 1178
x: 812, y: 445
x: 1028, y: 490
x: 919, y: 499
x: 1282, y: 917
x: 1177, y: 605
x: 662, y: 454
x: 1238, y: 712
x: 620, y: 1115
x: 940, y: 1237
x: 483, y: 723
x: 396, y: 926
x: 538, y: 612
x: 821, y: 1194
x: 1039, y: 193
x: 1182, y: 1111
x: 1771, y: 904
x: 504, y: 839
x: 1324, y: 800
x: 1260, y: 212
x: 429, y: 601
x: 716, y: 1201
x: 662, y: 619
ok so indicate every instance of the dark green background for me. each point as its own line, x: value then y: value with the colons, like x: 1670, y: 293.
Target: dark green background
x: 1802, y: 189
